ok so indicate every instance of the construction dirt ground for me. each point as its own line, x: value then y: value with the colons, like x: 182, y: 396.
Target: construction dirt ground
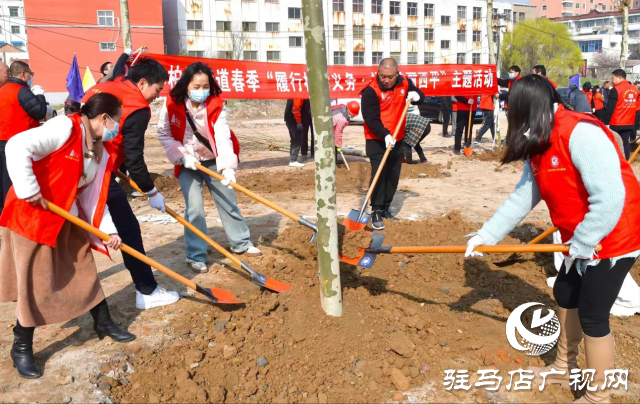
x: 405, y: 321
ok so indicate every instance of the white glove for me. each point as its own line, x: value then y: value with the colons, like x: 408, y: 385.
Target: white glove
x: 470, y: 102
x: 188, y: 161
x: 474, y: 242
x: 389, y: 140
x: 229, y: 175
x: 156, y: 200
x: 37, y: 90
x: 413, y: 96
x: 128, y: 51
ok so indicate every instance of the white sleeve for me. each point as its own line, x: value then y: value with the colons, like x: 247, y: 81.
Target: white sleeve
x: 106, y: 225
x: 224, y: 146
x: 35, y: 144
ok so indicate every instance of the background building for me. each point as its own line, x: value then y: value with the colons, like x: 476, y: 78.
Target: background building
x: 13, y: 35
x: 567, y: 8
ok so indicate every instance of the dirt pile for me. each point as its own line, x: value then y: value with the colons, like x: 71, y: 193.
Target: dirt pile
x: 350, y: 243
x: 489, y: 155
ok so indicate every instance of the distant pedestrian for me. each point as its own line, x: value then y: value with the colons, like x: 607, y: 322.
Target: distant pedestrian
x: 417, y: 129
x: 514, y: 75
x: 606, y: 91
x: 586, y: 89
x: 293, y: 120
x: 488, y: 121
x: 620, y: 112
x: 598, y: 102
x: 342, y: 115
x: 577, y: 100
x: 446, y: 107
x: 466, y: 106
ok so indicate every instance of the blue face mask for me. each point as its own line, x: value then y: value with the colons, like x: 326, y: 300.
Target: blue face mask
x: 110, y: 134
x: 198, y: 95
x: 30, y: 82
x: 512, y: 75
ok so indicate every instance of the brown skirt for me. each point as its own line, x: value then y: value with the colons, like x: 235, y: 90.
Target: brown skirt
x: 50, y: 285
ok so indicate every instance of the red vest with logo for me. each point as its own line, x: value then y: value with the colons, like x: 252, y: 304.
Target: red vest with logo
x: 13, y: 118
x: 486, y: 102
x: 597, y: 103
x: 132, y: 101
x: 564, y: 192
x: 178, y: 118
x: 624, y: 113
x: 392, y: 104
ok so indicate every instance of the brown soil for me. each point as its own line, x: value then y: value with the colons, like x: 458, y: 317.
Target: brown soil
x: 350, y: 243
x: 489, y: 155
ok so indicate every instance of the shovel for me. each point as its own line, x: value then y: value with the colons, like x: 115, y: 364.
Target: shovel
x: 256, y: 277
x: 468, y: 150
x: 463, y: 248
x: 344, y: 159
x: 357, y: 220
x: 216, y: 295
x: 277, y: 208
x: 518, y: 254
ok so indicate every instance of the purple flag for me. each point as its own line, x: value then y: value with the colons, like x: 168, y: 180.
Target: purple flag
x: 74, y: 82
x: 575, y: 79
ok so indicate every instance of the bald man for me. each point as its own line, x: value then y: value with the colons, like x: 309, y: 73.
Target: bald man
x: 383, y: 101
x: 4, y: 74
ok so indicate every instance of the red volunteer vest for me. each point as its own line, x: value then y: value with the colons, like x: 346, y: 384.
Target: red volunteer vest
x: 178, y: 119
x: 486, y: 102
x: 589, y: 95
x: 454, y: 106
x: 598, y: 104
x: 463, y: 106
x: 564, y: 192
x: 624, y: 113
x: 553, y: 83
x: 392, y: 104
x: 13, y: 118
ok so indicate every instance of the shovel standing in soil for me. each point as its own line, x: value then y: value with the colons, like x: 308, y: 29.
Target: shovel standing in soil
x: 216, y: 295
x: 468, y: 150
x: 256, y: 277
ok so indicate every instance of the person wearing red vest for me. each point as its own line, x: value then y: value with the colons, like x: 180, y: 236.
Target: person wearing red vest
x: 21, y: 108
x: 297, y: 117
x: 620, y: 112
x: 466, y: 106
x: 46, y: 264
x: 383, y: 101
x: 140, y: 87
x: 598, y: 102
x: 193, y: 128
x: 486, y: 105
x: 542, y: 71
x: 586, y: 89
x: 514, y: 75
x: 572, y: 162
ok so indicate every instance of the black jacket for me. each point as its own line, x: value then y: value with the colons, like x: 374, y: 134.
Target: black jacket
x: 305, y: 113
x: 446, y: 104
x: 371, y: 106
x: 504, y: 83
x: 35, y: 105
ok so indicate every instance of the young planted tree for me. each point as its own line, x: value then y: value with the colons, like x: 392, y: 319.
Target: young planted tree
x: 623, y: 6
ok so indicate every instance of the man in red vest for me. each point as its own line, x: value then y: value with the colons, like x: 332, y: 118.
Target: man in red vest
x: 466, y: 106
x: 514, y: 74
x: 542, y: 71
x: 620, y: 112
x: 20, y: 109
x: 383, y: 102
x: 142, y: 85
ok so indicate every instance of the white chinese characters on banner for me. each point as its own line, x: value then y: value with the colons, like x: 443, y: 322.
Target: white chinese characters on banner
x: 174, y: 75
x: 282, y: 85
x: 295, y: 77
x: 223, y: 79
x: 336, y: 80
x: 252, y: 80
x: 351, y: 82
x: 237, y: 81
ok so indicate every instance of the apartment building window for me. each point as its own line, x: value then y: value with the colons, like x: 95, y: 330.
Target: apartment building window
x: 412, y: 34
x: 15, y: 29
x: 107, y: 46
x: 358, y: 6
x: 338, y: 5
x: 578, y: 6
x: 250, y: 56
x: 495, y: 14
x: 272, y: 1
x: 428, y: 34
x: 394, y: 33
x: 295, y: 42
x: 476, y: 36
x: 507, y: 16
x: 358, y: 58
x: 590, y: 46
x: 462, y: 35
x: 273, y: 56
x: 223, y: 25
x: 338, y: 31
x: 105, y: 18
x: 475, y: 58
x: 273, y: 27
x: 339, y: 58
x: 376, y: 58
x: 412, y: 58
x: 462, y: 12
x: 521, y: 16
x: 194, y: 25
x: 445, y: 44
x: 515, y: 17
x: 428, y: 10
x: 445, y: 20
x: 462, y: 58
x: 225, y: 55
x: 376, y: 6
x: 412, y: 9
x: 249, y: 26
x: 376, y: 33
x: 428, y: 58
x: 477, y: 13
x: 295, y: 13
x: 196, y: 54
x: 13, y: 12
x: 495, y: 37
x: 358, y: 32
x: 544, y: 8
x: 394, y: 7
x: 395, y: 56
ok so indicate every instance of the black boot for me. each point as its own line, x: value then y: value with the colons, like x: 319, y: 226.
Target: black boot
x: 104, y: 325
x: 376, y: 220
x: 408, y: 154
x: 22, y: 352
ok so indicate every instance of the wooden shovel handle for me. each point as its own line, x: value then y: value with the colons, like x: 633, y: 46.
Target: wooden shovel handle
x: 185, y: 223
x: 634, y: 154
x: 484, y: 249
x: 104, y: 236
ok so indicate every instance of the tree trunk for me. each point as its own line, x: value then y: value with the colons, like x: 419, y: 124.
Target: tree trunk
x: 625, y: 35
x: 492, y: 54
x: 124, y: 22
x: 318, y: 82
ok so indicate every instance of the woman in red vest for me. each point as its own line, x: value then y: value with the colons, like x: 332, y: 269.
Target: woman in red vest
x: 46, y: 262
x: 598, y: 102
x: 193, y: 129
x: 593, y: 196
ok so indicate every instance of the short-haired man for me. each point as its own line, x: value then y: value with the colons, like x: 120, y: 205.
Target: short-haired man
x: 383, y: 100
x: 606, y: 91
x: 620, y: 111
x: 542, y: 71
x: 137, y: 90
x: 21, y: 109
x: 514, y: 74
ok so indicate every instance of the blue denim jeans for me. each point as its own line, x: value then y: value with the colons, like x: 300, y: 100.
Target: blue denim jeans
x: 233, y: 223
x: 487, y: 123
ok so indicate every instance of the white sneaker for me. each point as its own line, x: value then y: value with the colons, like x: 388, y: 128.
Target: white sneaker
x: 250, y: 252
x: 159, y: 297
x: 296, y: 164
x: 197, y: 267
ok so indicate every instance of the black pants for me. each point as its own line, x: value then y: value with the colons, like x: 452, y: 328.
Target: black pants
x: 129, y: 231
x: 625, y: 135
x: 389, y: 177
x: 296, y: 140
x: 446, y: 117
x: 487, y: 123
x: 306, y: 128
x: 593, y: 293
x: 599, y: 113
x: 5, y: 181
x: 461, y: 124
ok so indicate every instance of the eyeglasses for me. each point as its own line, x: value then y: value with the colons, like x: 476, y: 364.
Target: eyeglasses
x: 31, y: 73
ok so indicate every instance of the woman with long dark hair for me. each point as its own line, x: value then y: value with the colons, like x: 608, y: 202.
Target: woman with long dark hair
x: 573, y: 164
x: 193, y: 129
x: 46, y: 264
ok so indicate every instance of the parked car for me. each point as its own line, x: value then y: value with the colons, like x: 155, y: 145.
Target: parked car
x: 51, y: 113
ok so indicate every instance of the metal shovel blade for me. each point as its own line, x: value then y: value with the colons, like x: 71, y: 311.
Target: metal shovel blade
x: 218, y: 295
x: 352, y: 222
x: 265, y: 281
x: 364, y: 259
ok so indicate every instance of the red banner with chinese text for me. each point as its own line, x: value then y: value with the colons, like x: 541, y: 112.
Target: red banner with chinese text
x: 263, y: 80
